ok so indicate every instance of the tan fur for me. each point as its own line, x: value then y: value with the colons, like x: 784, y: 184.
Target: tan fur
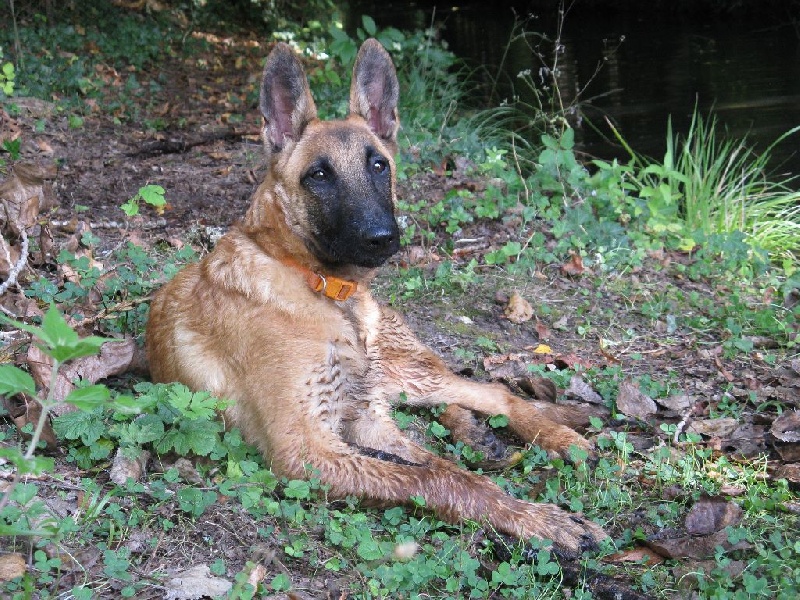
x: 313, y: 381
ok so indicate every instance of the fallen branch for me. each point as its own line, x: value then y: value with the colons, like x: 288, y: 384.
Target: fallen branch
x: 19, y: 265
x: 179, y: 146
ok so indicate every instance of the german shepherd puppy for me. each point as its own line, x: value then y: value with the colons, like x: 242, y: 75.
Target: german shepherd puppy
x: 279, y: 319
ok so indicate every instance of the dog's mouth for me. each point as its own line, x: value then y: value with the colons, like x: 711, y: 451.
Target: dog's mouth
x: 354, y: 252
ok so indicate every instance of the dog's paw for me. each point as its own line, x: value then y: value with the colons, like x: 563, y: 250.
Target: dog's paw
x: 571, y: 534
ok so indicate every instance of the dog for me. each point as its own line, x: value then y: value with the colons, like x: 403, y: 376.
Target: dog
x: 279, y: 319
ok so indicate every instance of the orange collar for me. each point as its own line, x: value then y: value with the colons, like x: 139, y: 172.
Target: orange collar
x: 330, y: 286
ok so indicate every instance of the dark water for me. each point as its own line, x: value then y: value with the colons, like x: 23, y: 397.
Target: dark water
x: 636, y: 67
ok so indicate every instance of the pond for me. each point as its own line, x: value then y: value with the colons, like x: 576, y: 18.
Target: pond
x: 635, y: 67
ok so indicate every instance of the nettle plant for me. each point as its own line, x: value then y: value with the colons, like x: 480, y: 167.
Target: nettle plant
x: 20, y: 512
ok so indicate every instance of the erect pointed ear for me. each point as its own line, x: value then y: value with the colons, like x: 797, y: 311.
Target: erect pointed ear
x: 286, y: 101
x: 375, y: 91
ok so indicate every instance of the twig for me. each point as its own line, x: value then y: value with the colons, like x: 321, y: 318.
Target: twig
x: 23, y: 260
x: 117, y: 308
x: 685, y: 420
x: 179, y: 146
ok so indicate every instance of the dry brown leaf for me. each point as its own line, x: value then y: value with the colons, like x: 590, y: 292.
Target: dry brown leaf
x: 639, y: 554
x: 542, y: 330
x: 786, y: 427
x: 631, y: 401
x: 518, y: 310
x: 24, y: 410
x: 789, y: 472
x: 26, y: 192
x: 195, y: 583
x: 583, y: 391
x: 45, y: 148
x: 712, y: 513
x: 721, y: 428
x: 678, y: 402
x: 114, y: 358
x: 12, y: 566
x: 574, y: 266
x: 691, y: 546
x: 257, y: 575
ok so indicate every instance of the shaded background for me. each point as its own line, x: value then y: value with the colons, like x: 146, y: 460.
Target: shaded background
x: 636, y: 63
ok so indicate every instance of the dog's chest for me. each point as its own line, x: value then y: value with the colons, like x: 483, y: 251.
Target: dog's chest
x: 337, y: 387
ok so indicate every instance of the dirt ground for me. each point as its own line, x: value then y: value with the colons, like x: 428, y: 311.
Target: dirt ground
x: 206, y: 154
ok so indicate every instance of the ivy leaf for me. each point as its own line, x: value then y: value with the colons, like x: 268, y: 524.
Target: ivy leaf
x: 14, y: 380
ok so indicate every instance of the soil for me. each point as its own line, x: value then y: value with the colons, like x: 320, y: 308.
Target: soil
x: 206, y: 153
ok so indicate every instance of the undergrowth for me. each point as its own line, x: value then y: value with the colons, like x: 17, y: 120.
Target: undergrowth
x: 611, y: 220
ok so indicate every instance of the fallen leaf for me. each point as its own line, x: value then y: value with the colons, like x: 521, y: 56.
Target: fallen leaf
x: 678, y: 402
x: 786, y: 427
x: 543, y: 349
x: 12, y: 566
x: 721, y: 427
x: 639, y: 554
x: 790, y: 473
x: 26, y: 192
x: 195, y: 583
x: 691, y: 546
x: 583, y: 391
x: 687, y: 573
x: 574, y: 266
x: 25, y: 410
x: 518, y: 310
x: 45, y: 148
x: 114, y: 358
x: 712, y: 513
x: 542, y: 330
x: 631, y: 401
x: 257, y: 575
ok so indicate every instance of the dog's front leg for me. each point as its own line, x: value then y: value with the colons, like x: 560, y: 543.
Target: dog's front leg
x: 425, y: 380
x: 451, y: 493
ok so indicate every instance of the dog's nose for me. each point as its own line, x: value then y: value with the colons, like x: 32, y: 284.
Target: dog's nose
x: 379, y: 239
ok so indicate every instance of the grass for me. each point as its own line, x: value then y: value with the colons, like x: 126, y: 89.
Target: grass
x: 641, y: 310
x: 712, y: 184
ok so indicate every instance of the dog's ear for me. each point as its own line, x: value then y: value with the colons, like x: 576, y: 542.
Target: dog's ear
x: 375, y: 91
x: 286, y: 101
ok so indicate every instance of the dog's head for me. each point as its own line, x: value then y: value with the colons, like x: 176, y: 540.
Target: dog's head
x: 335, y: 180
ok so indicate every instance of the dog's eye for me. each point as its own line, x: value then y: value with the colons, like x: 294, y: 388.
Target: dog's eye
x: 378, y: 166
x: 318, y: 175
